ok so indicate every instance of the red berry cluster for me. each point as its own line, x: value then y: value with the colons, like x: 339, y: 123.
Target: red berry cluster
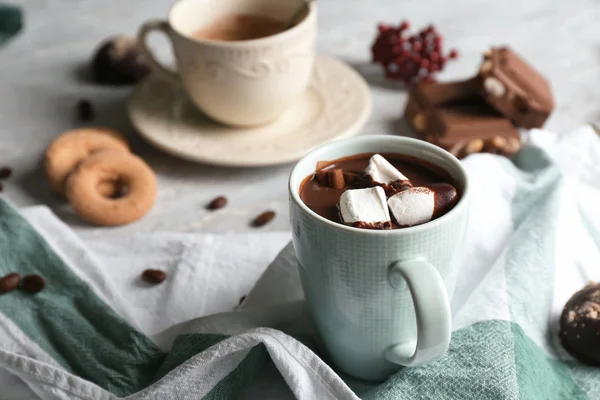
x: 411, y: 59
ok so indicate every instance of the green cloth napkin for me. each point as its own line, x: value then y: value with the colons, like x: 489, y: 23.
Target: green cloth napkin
x: 11, y: 22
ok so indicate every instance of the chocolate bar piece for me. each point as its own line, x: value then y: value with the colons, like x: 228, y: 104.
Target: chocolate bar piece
x: 454, y: 116
x: 514, y: 88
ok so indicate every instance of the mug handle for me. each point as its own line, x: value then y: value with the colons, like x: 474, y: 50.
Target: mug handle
x: 159, y: 69
x: 432, y: 309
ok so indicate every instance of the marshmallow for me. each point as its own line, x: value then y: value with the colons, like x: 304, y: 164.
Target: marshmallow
x: 382, y: 172
x: 418, y: 205
x: 364, y: 205
x: 412, y: 206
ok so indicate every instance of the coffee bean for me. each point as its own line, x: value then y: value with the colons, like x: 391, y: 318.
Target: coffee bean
x: 263, y: 219
x: 217, y: 203
x: 155, y: 276
x: 9, y: 282
x: 5, y: 172
x: 85, y: 111
x: 33, y: 284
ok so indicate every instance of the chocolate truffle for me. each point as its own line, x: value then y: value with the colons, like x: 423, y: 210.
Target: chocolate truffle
x: 580, y: 325
x: 119, y: 61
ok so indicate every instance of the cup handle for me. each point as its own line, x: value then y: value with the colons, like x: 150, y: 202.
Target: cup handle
x: 432, y: 309
x: 157, y: 67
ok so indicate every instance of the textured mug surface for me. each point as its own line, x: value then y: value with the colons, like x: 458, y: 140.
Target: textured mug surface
x: 240, y: 83
x: 345, y: 270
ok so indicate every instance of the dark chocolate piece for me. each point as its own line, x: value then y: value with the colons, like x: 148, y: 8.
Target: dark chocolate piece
x: 515, y: 88
x: 352, y: 178
x: 119, y: 61
x: 333, y: 178
x: 454, y: 116
x: 580, y: 325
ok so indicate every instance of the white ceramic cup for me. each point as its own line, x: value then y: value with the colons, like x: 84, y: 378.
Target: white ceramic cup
x: 239, y: 83
x: 380, y: 298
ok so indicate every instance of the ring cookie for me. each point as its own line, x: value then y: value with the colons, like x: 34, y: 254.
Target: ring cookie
x: 118, y: 169
x: 67, y: 150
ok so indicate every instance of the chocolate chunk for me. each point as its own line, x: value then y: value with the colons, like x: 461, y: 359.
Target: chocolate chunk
x: 515, y: 88
x: 154, y: 276
x: 263, y: 219
x: 336, y: 178
x: 85, y: 111
x: 322, y: 177
x: 5, y: 172
x: 333, y: 178
x: 33, y: 284
x: 217, y: 203
x: 9, y: 282
x: 520, y: 104
x: 119, y: 61
x: 351, y: 178
x: 580, y: 325
x: 455, y: 116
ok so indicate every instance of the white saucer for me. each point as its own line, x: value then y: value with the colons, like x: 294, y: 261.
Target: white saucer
x: 336, y: 105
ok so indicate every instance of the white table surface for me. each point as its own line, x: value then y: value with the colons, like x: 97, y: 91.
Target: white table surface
x: 40, y: 82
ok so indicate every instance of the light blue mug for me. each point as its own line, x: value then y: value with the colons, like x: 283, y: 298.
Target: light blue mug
x: 379, y: 298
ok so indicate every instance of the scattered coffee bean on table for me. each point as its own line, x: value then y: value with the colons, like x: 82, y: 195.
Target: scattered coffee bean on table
x: 217, y: 203
x: 33, y: 284
x: 9, y: 282
x: 5, y: 172
x: 263, y: 219
x: 85, y: 111
x: 154, y: 276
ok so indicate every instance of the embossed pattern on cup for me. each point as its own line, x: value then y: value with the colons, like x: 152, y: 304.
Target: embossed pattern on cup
x: 242, y: 83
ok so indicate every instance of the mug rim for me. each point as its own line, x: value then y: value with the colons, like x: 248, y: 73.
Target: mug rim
x: 277, y: 37
x: 463, y: 202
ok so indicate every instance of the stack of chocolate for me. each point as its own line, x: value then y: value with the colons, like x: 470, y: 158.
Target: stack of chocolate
x: 482, y: 114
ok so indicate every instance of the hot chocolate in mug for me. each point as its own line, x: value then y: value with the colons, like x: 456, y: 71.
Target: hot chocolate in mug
x: 237, y: 82
x: 380, y: 298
